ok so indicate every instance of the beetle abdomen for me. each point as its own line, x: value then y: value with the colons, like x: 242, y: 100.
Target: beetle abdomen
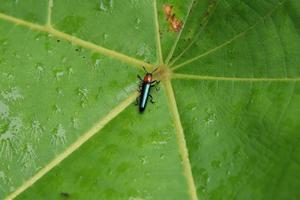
x: 144, y: 96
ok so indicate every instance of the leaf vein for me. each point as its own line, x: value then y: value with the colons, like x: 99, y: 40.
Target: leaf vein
x: 158, y: 42
x: 81, y: 140
x: 49, y: 15
x: 181, y: 140
x: 197, y: 35
x: 179, y: 34
x: 229, y: 41
x: 89, y: 45
x: 240, y: 79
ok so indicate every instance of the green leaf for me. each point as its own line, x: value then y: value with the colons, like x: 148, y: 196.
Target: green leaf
x: 225, y: 124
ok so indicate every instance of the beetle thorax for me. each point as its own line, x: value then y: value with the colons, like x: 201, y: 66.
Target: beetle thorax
x: 148, y: 78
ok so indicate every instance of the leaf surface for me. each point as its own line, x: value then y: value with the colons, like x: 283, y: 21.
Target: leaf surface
x: 225, y: 124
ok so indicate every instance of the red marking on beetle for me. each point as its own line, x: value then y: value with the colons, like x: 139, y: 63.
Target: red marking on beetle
x: 175, y: 24
x: 148, y: 78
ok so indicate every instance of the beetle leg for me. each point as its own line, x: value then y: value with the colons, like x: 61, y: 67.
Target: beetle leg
x: 139, y: 77
x: 151, y: 98
x: 154, y: 84
x: 140, y: 88
x: 137, y: 101
x: 154, y: 70
x: 140, y: 84
x: 156, y: 88
x: 145, y: 69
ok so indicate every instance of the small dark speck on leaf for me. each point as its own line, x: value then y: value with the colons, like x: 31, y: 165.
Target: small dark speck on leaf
x: 64, y: 195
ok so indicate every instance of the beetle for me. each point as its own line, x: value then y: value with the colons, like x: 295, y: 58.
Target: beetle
x: 145, y: 86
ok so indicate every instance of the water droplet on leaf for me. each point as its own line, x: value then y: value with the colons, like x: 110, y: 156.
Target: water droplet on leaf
x: 59, y: 74
x: 27, y: 157
x: 36, y: 128
x: 105, y: 5
x: 75, y: 122
x: 137, y: 23
x: 4, y: 110
x: 56, y: 109
x: 83, y: 95
x: 59, y: 135
x: 13, y: 94
x: 40, y: 69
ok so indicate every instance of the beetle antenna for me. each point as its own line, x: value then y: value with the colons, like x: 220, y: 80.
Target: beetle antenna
x: 145, y: 69
x: 154, y: 70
